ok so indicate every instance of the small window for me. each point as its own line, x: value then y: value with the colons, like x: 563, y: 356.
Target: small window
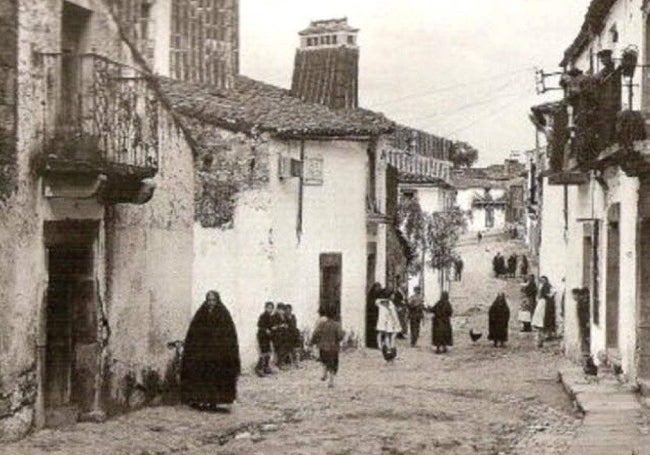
x: 327, y: 40
x: 613, y: 34
x: 334, y: 39
x: 350, y: 39
x: 408, y: 195
x: 322, y: 40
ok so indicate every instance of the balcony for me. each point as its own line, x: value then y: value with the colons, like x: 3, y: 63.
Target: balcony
x: 100, y: 121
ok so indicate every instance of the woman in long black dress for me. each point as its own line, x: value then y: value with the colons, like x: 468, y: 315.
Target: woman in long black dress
x: 211, y: 363
x: 499, y: 316
x: 372, y: 313
x: 441, y: 332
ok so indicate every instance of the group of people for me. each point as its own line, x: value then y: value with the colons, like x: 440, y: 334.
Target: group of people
x: 211, y: 364
x: 384, y: 324
x: 538, y: 308
x: 507, y: 267
x: 277, y: 333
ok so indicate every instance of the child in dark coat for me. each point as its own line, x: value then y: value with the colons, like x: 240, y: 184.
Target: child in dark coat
x: 328, y: 336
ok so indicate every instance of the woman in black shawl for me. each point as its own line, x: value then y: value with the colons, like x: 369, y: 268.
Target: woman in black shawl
x: 441, y: 332
x: 211, y: 363
x: 372, y: 313
x: 499, y: 316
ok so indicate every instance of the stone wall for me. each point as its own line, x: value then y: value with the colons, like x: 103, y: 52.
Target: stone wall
x: 149, y: 275
x: 145, y: 290
x: 7, y: 97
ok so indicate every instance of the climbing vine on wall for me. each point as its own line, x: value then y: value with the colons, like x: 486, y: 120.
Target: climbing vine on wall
x: 226, y: 164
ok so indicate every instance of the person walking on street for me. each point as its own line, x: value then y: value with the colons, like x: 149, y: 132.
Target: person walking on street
x: 524, y: 265
x: 459, y: 268
x: 328, y: 336
x: 544, y: 316
x: 441, y: 331
x: 401, y: 307
x: 512, y: 265
x: 211, y: 365
x: 388, y: 325
x: 264, y: 339
x: 416, y: 314
x: 479, y: 237
x: 499, y: 316
x: 529, y: 291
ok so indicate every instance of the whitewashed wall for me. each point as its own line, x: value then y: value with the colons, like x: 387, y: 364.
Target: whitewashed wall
x: 261, y: 258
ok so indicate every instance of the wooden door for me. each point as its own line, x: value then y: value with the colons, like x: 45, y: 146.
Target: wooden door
x: 330, y: 282
x: 613, y: 280
x: 71, y: 334
x: 643, y: 248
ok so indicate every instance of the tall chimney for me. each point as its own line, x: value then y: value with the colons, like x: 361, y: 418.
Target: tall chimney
x: 326, y: 68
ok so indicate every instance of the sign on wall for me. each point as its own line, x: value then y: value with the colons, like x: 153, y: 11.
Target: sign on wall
x: 313, y: 171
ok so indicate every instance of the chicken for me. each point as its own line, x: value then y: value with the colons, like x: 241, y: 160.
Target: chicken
x: 474, y: 336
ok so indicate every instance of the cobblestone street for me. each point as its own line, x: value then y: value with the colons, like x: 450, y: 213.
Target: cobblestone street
x: 477, y: 399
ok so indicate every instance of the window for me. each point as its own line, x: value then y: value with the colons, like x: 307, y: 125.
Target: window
x: 408, y: 195
x: 350, y: 39
x: 489, y: 217
x: 327, y: 40
x: 322, y: 40
x: 334, y: 39
x: 613, y: 34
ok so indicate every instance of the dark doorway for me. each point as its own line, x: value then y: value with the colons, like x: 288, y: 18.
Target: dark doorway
x: 613, y: 278
x: 643, y: 257
x: 70, y: 364
x: 330, y: 282
x: 584, y: 313
x: 371, y: 265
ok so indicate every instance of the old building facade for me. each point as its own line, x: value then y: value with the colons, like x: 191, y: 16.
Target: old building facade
x: 281, y: 213
x: 594, y: 174
x: 493, y: 197
x: 97, y: 220
x: 423, y: 173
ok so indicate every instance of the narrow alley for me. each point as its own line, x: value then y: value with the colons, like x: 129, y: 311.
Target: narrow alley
x: 477, y: 399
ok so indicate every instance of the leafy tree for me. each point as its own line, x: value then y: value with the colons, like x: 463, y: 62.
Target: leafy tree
x: 463, y: 154
x: 411, y: 221
x: 435, y: 234
x: 442, y: 232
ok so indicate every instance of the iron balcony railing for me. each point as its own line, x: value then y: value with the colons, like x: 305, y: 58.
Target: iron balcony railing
x: 98, y: 115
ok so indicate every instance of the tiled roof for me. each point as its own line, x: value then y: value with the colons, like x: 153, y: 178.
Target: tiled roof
x: 406, y: 177
x: 252, y: 104
x: 420, y: 142
x: 327, y: 76
x: 465, y: 183
x: 328, y: 26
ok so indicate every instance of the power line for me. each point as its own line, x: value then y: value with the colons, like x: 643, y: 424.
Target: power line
x: 500, y: 97
x: 450, y: 87
x: 499, y: 110
x: 496, y: 95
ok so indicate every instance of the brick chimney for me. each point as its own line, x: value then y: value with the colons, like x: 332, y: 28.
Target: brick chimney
x: 326, y: 68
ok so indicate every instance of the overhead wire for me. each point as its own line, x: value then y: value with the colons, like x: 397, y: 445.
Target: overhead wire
x: 521, y: 87
x: 450, y: 87
x: 496, y: 94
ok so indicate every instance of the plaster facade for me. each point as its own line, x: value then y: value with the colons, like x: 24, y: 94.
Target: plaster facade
x: 141, y: 267
x: 272, y: 250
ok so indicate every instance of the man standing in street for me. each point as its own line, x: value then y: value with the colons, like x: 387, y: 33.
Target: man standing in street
x: 416, y: 314
x: 459, y: 268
